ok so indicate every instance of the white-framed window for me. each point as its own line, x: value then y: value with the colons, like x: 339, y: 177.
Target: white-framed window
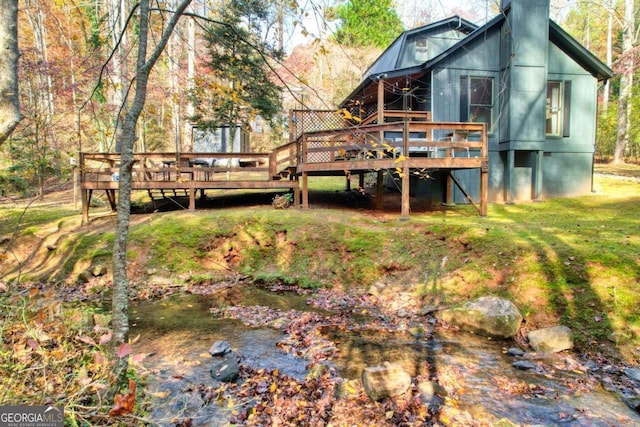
x: 554, y: 108
x: 481, y: 100
x: 557, y: 113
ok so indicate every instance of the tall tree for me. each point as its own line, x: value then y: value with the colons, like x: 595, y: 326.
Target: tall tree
x: 241, y: 84
x: 367, y: 23
x: 10, y: 115
x: 126, y: 139
x: 627, y: 68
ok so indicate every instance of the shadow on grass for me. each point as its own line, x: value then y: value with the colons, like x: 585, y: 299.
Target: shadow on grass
x: 587, y: 256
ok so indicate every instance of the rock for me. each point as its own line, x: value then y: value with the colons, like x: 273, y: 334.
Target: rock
x: 417, y: 331
x: 84, y: 276
x: 632, y: 373
x: 220, y: 348
x: 488, y: 316
x: 633, y: 403
x: 160, y: 281
x: 386, y: 380
x: 99, y: 270
x: 51, y: 248
x: 515, y: 352
x: 225, y: 368
x: 431, y: 393
x: 551, y: 340
x: 280, y: 323
x: 524, y: 365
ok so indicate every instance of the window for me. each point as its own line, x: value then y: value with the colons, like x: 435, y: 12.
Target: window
x: 557, y: 115
x: 476, y: 104
x: 554, y: 108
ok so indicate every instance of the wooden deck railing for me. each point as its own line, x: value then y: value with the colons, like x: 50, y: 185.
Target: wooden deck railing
x: 172, y: 167
x: 391, y: 140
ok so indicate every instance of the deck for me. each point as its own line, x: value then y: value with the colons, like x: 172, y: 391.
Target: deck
x: 406, y: 146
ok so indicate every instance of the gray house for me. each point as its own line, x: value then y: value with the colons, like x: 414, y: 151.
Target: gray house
x: 534, y: 86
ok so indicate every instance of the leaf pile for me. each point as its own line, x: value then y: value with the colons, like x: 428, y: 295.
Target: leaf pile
x: 48, y: 355
x: 267, y: 397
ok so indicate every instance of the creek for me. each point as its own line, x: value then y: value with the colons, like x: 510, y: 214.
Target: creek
x: 175, y: 334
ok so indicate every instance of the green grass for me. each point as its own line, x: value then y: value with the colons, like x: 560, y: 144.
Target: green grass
x: 571, y: 261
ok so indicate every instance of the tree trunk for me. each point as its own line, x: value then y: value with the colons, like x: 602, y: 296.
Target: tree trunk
x: 120, y: 302
x: 626, y: 84
x: 10, y: 115
x: 607, y: 85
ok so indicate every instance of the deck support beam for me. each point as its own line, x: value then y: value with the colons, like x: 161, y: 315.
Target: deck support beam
x: 192, y: 199
x: 85, y: 196
x: 379, y: 189
x: 406, y: 177
x: 305, y: 190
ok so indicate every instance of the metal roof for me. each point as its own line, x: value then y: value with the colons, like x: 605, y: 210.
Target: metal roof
x: 385, y: 66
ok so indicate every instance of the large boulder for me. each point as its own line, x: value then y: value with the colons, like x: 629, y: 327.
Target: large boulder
x: 551, y: 340
x: 386, y: 380
x: 488, y: 316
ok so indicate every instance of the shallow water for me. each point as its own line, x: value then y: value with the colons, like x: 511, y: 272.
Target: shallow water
x: 177, y: 333
x: 482, y: 379
x: 477, y: 372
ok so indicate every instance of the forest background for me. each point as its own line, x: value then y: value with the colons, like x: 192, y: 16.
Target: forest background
x: 234, y: 61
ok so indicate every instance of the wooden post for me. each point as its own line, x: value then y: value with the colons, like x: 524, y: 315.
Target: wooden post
x: 84, y: 196
x: 192, y: 199
x: 273, y: 165
x: 404, y: 215
x: 448, y: 198
x: 380, y: 116
x: 484, y: 187
x: 380, y: 190
x: 406, y: 177
x: 305, y: 190
x: 296, y: 196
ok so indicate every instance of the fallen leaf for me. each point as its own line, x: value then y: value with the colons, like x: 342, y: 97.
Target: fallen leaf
x: 124, y: 403
x: 105, y: 338
x: 123, y: 350
x: 85, y: 339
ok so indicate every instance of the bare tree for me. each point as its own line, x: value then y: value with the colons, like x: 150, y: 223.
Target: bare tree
x: 10, y: 115
x: 126, y: 139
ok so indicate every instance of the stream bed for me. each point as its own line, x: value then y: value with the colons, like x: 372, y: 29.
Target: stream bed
x: 175, y: 334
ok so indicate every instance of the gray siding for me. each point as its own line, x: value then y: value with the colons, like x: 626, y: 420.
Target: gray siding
x: 566, y: 174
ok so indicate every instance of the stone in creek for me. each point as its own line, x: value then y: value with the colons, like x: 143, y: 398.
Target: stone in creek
x: 220, y: 348
x: 487, y: 316
x: 225, y: 368
x: 515, y: 352
x: 551, y: 340
x: 386, y: 380
x: 524, y: 365
x: 633, y: 373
